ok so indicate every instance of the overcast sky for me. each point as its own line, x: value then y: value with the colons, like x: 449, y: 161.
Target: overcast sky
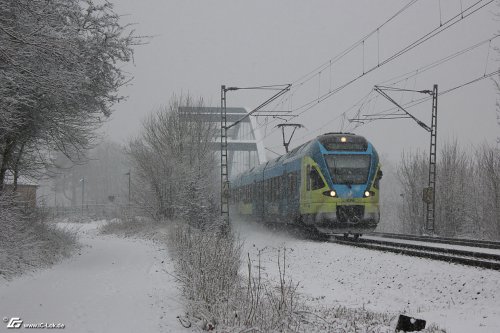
x: 200, y: 45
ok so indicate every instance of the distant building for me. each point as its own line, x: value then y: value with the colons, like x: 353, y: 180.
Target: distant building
x: 26, y: 189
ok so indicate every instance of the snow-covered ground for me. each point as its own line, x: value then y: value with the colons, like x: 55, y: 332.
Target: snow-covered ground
x: 455, y: 297
x: 111, y: 285
x: 116, y: 284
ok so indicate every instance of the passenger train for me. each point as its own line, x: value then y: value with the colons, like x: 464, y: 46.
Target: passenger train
x: 330, y: 183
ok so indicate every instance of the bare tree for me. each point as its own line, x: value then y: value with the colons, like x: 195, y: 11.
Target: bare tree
x: 467, y: 192
x: 454, y: 213
x: 488, y: 187
x: 412, y: 174
x: 175, y: 161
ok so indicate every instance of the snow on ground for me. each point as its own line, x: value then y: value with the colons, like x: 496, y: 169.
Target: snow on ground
x: 111, y: 285
x: 455, y: 297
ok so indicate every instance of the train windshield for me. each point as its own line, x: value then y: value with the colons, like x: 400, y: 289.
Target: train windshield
x: 348, y: 169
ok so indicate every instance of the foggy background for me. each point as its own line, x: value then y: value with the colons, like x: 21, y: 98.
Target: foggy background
x: 197, y: 46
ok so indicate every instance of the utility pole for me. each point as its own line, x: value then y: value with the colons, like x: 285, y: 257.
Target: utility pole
x: 285, y: 142
x: 83, y: 191
x: 429, y: 193
x: 498, y: 123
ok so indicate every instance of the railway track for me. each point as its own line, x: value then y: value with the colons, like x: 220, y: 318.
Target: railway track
x: 458, y: 256
x: 442, y: 240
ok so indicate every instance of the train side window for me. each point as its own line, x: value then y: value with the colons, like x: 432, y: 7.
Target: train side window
x: 270, y: 189
x: 277, y: 188
x: 316, y: 180
x: 275, y: 185
x: 264, y: 188
x: 280, y: 187
x: 308, y: 178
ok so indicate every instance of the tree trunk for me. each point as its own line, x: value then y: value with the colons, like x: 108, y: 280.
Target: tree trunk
x: 16, y: 165
x: 6, y: 157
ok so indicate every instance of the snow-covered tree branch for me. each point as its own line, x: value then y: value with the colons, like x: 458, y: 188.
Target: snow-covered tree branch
x: 59, y: 74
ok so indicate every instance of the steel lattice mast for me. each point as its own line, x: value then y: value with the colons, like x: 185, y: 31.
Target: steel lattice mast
x: 431, y: 202
x: 429, y: 193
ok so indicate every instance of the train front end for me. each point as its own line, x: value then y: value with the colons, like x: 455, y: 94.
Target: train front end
x: 341, y: 191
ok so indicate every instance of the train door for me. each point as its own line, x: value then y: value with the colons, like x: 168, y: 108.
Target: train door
x: 305, y: 191
x: 311, y: 196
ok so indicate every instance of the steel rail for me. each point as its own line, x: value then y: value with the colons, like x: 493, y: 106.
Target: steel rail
x: 442, y: 240
x: 470, y: 258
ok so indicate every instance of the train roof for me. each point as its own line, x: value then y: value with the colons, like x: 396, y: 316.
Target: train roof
x: 338, y: 141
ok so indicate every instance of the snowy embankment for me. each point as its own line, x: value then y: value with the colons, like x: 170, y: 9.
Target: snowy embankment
x: 112, y: 284
x: 457, y: 298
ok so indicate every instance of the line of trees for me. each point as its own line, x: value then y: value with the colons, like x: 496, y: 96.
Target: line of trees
x: 60, y: 71
x: 467, y: 192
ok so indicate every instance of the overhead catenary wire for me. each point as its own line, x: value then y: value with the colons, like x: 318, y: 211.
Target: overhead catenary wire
x: 446, y: 25
x: 301, y: 81
x: 381, y: 115
x: 418, y: 71
x: 443, y: 26
x: 305, y: 78
x: 370, y: 100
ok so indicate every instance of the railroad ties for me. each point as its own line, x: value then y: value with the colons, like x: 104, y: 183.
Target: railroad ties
x: 448, y: 249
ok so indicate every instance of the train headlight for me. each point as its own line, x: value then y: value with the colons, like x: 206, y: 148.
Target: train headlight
x: 330, y: 193
x: 367, y: 194
x: 343, y: 139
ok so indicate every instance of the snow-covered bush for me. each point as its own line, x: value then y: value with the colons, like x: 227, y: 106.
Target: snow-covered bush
x: 26, y: 242
x: 208, y: 263
x: 128, y: 225
x: 222, y: 293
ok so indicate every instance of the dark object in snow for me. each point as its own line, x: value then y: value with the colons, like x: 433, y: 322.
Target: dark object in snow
x: 409, y: 324
x: 184, y: 321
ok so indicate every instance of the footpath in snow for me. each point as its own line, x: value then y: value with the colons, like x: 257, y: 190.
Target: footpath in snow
x: 111, y: 285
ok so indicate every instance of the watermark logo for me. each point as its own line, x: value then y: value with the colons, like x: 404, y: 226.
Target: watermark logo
x: 14, y: 322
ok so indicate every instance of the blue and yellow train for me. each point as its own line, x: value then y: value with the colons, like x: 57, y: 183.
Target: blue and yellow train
x: 330, y: 183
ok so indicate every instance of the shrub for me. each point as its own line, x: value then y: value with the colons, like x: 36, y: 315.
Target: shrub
x: 27, y: 242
